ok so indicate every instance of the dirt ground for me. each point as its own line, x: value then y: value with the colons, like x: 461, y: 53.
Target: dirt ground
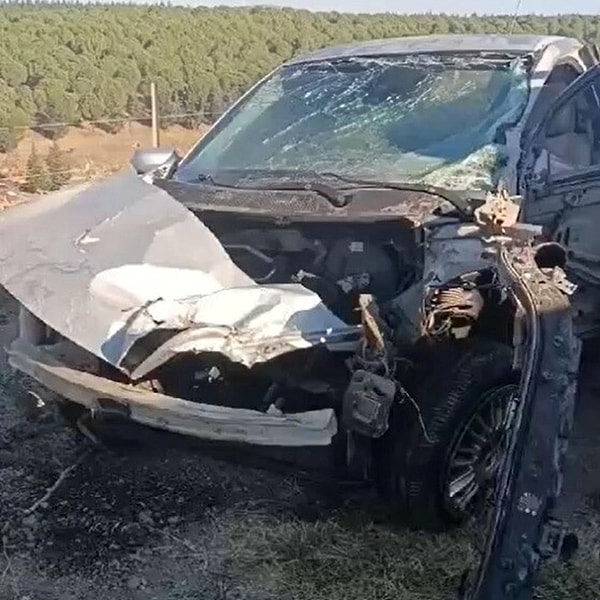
x: 90, y: 151
x: 168, y: 523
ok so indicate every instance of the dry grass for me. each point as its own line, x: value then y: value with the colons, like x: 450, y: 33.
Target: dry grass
x: 92, y: 152
x: 348, y: 556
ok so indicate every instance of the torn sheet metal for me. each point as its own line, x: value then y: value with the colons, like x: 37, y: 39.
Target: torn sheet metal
x: 109, y: 264
x: 248, y: 324
x: 204, y: 421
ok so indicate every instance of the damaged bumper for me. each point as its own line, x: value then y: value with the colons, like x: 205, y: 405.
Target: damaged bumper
x: 104, y: 396
x: 125, y: 273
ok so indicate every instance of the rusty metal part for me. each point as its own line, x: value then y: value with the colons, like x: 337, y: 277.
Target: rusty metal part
x: 498, y: 218
x: 452, y: 310
x: 560, y: 280
x: 498, y: 212
x: 369, y: 317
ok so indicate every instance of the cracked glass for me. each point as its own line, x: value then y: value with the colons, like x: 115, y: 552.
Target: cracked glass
x: 413, y: 119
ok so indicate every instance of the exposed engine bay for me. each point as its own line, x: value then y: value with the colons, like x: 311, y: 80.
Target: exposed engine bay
x: 338, y: 260
x: 367, y: 275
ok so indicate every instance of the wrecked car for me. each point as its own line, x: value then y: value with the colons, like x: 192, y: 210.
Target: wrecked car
x: 380, y: 252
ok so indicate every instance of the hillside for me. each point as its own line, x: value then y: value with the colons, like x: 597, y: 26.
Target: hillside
x: 67, y: 63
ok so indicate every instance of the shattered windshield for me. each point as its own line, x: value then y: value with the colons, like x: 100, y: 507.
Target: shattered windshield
x: 413, y: 119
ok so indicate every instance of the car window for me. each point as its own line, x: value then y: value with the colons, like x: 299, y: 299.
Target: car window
x: 561, y: 76
x: 409, y: 119
x: 572, y: 134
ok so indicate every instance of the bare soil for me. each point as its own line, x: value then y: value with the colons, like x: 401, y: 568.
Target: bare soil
x: 91, y: 151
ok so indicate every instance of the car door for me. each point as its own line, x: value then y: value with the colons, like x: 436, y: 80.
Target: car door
x: 560, y: 185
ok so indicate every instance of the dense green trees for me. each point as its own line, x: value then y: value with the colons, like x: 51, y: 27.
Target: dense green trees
x: 68, y: 63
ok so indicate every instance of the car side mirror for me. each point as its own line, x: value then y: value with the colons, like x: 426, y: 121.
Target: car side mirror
x: 146, y: 160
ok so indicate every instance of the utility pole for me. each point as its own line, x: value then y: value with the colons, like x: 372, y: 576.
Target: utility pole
x: 154, y: 105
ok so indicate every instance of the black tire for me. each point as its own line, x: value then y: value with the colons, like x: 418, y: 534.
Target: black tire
x: 457, y: 376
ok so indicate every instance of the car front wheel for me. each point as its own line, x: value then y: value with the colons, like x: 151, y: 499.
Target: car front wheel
x: 439, y: 458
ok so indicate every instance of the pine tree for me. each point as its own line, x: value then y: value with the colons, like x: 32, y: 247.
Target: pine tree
x: 57, y: 167
x: 36, y: 178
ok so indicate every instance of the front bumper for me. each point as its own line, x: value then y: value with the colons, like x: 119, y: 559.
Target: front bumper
x: 208, y: 422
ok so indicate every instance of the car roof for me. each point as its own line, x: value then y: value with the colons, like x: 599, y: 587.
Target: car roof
x: 432, y: 44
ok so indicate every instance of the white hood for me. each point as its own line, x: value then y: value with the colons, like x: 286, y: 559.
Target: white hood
x: 121, y: 265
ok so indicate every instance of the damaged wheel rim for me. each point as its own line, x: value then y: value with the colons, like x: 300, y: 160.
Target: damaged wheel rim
x: 476, y: 454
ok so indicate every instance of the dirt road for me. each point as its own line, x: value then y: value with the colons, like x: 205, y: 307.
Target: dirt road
x: 166, y: 523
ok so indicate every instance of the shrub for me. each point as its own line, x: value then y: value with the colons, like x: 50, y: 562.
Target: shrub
x: 57, y: 167
x: 36, y: 177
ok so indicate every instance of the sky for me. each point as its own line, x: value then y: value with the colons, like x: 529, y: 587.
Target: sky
x: 546, y: 7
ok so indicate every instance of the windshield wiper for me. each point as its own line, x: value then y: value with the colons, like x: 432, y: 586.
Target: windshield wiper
x: 457, y: 199
x: 337, y: 197
x: 314, y: 181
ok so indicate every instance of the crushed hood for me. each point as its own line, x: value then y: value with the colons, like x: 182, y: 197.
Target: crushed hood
x: 128, y: 273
